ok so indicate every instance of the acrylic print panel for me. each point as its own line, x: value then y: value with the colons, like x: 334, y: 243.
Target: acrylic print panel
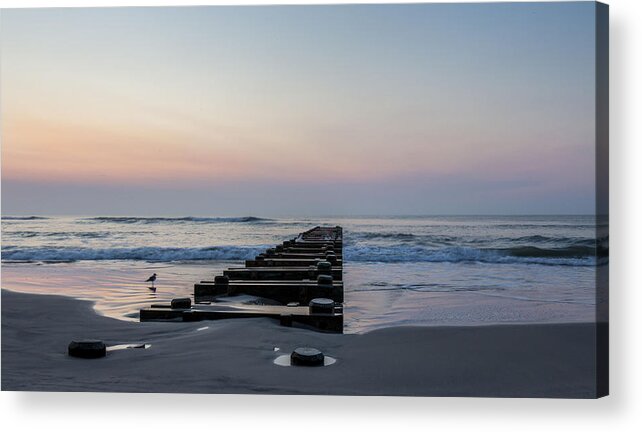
x: 344, y: 199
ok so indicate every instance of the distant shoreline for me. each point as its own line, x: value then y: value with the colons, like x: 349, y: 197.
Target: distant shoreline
x: 325, y: 216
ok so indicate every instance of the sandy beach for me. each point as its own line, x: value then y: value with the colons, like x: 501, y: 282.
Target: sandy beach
x: 236, y: 356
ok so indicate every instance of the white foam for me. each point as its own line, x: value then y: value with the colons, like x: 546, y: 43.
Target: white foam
x: 163, y: 254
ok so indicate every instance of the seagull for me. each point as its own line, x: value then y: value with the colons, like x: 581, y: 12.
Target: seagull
x: 151, y: 279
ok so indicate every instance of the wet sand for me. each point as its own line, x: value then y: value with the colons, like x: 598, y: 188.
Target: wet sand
x: 236, y: 356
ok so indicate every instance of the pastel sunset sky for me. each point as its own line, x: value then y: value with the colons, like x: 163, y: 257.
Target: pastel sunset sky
x: 310, y: 110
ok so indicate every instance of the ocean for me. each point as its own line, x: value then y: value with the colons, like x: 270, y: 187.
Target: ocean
x: 432, y: 270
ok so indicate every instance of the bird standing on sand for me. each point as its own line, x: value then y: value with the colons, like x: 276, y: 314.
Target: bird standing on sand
x: 151, y: 279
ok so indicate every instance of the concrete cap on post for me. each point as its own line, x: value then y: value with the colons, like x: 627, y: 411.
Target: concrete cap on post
x: 331, y: 257
x: 221, y: 280
x: 324, y: 267
x: 324, y: 280
x: 88, y: 349
x: 181, y: 303
x: 321, y: 305
x: 306, y: 356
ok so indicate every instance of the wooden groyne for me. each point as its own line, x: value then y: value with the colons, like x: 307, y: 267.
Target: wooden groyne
x: 299, y: 282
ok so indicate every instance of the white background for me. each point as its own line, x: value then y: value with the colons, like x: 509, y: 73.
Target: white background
x: 620, y: 411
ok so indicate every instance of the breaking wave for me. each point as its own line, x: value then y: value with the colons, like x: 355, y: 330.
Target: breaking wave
x: 384, y: 235
x: 61, y: 235
x: 448, y: 240
x: 155, y: 254
x: 23, y: 217
x: 151, y: 220
x: 570, y: 256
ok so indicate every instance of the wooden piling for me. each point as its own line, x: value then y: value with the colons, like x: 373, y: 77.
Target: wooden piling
x: 306, y: 268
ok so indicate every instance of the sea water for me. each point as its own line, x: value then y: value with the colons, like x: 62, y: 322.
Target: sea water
x: 446, y: 270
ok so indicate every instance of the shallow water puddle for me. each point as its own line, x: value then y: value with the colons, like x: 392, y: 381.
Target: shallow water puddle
x: 128, y: 346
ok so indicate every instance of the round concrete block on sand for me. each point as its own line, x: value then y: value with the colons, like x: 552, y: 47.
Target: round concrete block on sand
x: 89, y: 349
x: 306, y: 357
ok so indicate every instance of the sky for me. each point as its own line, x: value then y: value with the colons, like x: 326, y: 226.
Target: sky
x: 299, y: 110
